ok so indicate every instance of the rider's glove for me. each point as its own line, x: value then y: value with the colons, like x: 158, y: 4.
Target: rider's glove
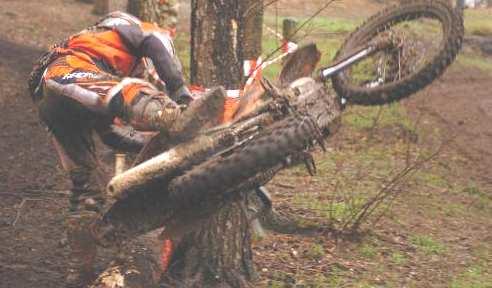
x: 183, y: 96
x: 153, y: 113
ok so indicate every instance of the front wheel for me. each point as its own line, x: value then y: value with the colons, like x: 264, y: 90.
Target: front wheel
x: 430, y: 35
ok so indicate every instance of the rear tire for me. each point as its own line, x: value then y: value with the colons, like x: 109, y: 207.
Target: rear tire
x: 257, y: 162
x: 452, y: 29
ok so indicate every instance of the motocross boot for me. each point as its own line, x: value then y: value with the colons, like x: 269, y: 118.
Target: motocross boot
x: 86, y: 203
x: 82, y: 249
x: 86, y: 194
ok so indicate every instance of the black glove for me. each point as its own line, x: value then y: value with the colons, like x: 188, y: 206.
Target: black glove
x: 182, y: 96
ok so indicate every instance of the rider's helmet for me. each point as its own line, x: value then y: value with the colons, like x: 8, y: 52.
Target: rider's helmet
x: 118, y: 18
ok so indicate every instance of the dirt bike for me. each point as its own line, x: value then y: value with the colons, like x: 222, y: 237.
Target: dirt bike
x: 187, y: 173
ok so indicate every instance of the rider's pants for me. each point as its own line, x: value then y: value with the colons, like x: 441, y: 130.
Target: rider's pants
x: 72, y: 125
x: 73, y: 119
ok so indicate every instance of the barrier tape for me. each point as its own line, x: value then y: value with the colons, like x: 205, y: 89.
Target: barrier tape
x: 167, y: 250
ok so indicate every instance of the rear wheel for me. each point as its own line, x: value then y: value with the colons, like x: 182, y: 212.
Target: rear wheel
x: 247, y: 168
x: 429, y: 33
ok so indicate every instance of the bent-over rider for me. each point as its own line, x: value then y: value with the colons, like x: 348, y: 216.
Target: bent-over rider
x: 81, y: 86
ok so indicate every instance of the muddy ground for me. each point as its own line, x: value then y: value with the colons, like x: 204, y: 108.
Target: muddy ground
x: 33, y: 190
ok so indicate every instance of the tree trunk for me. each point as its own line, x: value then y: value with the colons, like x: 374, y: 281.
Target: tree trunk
x: 250, y: 29
x: 118, y: 5
x: 460, y: 4
x: 214, y: 37
x: 223, y: 35
x: 164, y: 13
x: 218, y: 253
x: 101, y: 7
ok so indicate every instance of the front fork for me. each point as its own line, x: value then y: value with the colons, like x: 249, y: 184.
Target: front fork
x: 328, y: 72
x: 387, y: 41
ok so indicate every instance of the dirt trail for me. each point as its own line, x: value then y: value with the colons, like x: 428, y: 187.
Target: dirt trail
x: 460, y: 103
x: 30, y: 179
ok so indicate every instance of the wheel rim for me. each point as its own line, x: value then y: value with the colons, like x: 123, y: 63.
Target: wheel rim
x: 418, y: 34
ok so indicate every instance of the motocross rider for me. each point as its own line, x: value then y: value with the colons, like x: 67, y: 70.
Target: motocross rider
x: 81, y: 86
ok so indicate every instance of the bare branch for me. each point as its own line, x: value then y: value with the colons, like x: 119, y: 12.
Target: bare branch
x: 388, y: 190
x: 19, y: 209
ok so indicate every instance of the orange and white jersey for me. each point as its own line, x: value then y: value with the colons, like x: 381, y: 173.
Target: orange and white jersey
x: 119, y: 42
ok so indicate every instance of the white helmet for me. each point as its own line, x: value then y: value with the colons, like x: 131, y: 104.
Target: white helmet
x: 118, y: 18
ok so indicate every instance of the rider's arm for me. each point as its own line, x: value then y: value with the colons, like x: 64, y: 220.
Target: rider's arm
x: 157, y: 46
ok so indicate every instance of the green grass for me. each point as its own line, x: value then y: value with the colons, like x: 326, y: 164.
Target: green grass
x: 368, y: 251
x: 475, y: 61
x: 423, y: 28
x: 481, y: 200
x: 335, y: 279
x: 315, y: 251
x: 346, y: 180
x: 475, y: 276
x: 182, y: 45
x: 270, y: 44
x: 353, y: 175
x: 301, y: 279
x: 474, y: 190
x: 276, y: 284
x: 332, y: 210
x: 483, y: 252
x: 398, y: 258
x: 366, y: 285
x: 454, y: 209
x: 432, y: 179
x: 478, y: 22
x: 363, y: 118
x: 318, y: 24
x: 427, y: 245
